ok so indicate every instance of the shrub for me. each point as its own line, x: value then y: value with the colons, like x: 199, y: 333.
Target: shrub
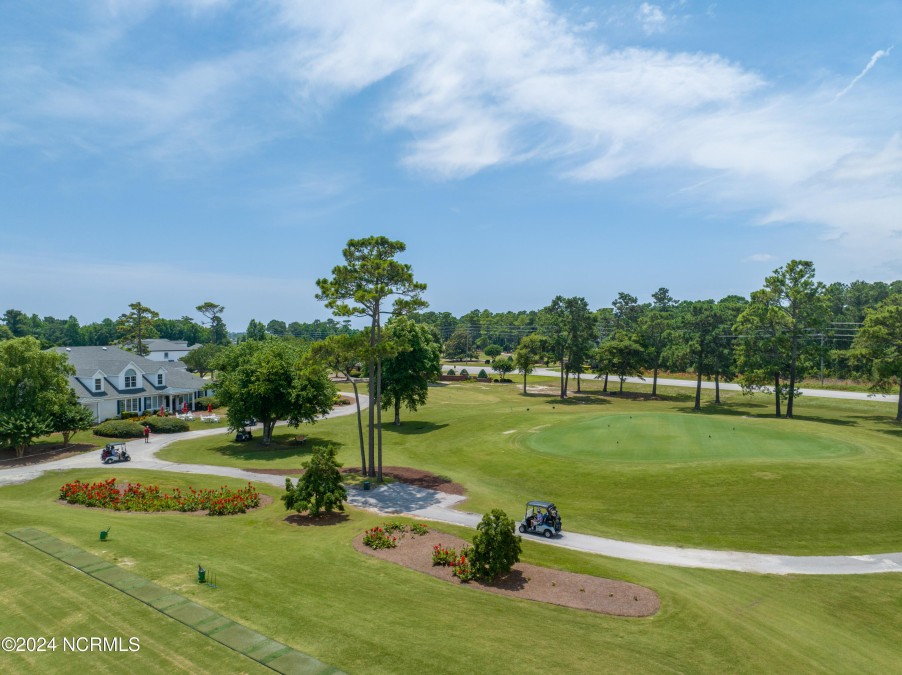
x: 166, y: 425
x: 482, y: 374
x: 495, y: 546
x: 127, y: 415
x: 377, y: 538
x: 320, y: 488
x: 205, y: 402
x: 354, y: 373
x: 464, y: 372
x: 119, y: 429
x: 450, y: 372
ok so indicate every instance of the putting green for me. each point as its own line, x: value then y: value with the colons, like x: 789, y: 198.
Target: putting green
x: 684, y: 438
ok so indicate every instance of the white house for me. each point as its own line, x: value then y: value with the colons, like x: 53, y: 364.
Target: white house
x: 167, y: 350
x: 109, y: 381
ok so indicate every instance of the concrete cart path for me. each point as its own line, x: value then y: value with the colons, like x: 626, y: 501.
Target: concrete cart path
x: 614, y: 383
x: 144, y: 455
x: 400, y: 498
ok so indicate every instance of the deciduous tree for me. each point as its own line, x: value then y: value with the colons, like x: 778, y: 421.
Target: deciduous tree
x: 203, y: 359
x: 271, y: 381
x: 69, y: 417
x: 33, y: 384
x: 407, y: 374
x: 531, y: 350
x: 880, y: 342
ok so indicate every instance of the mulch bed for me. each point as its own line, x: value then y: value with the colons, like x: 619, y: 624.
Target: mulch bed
x: 265, y: 500
x: 525, y: 581
x: 403, y: 474
x: 38, y: 454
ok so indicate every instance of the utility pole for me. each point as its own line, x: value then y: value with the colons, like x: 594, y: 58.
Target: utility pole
x: 822, y: 359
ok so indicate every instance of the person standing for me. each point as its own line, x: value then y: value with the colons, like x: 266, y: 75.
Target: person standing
x: 146, y: 434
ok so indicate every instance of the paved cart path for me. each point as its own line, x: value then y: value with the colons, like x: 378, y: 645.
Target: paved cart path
x: 400, y: 498
x: 614, y: 383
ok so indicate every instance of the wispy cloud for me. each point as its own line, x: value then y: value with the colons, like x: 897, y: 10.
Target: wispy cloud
x: 877, y: 55
x: 475, y: 85
x: 759, y: 258
x: 652, y: 18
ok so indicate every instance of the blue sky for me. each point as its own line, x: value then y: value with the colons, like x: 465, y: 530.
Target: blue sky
x: 184, y: 151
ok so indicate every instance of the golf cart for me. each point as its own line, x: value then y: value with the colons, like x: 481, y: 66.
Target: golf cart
x: 243, y: 435
x: 541, y: 518
x: 114, y: 452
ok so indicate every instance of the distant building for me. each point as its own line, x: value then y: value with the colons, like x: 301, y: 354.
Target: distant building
x: 110, y: 381
x: 167, y: 350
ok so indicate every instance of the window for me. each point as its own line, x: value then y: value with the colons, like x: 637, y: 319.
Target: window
x: 98, y: 384
x: 132, y: 404
x: 160, y: 379
x: 131, y: 380
x: 165, y: 355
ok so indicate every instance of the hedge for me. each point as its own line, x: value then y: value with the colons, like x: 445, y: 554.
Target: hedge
x: 205, y: 402
x: 167, y: 425
x: 119, y: 429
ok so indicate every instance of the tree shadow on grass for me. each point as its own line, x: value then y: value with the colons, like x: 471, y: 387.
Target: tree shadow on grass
x: 282, y: 447
x: 884, y: 424
x: 323, y: 519
x: 576, y: 399
x: 825, y: 420
x: 729, y: 409
x: 412, y: 428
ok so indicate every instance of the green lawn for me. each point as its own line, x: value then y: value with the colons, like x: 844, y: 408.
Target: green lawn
x: 308, y: 588
x: 827, y: 482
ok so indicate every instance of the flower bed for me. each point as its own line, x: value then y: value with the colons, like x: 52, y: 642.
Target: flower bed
x: 137, y: 497
x: 383, y: 537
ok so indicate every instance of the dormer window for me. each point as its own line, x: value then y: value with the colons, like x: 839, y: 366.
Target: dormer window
x: 131, y: 379
x: 98, y: 384
x: 160, y: 379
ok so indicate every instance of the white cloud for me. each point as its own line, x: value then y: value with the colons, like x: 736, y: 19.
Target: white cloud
x: 877, y: 55
x: 759, y: 258
x: 493, y: 84
x: 482, y: 84
x: 652, y: 18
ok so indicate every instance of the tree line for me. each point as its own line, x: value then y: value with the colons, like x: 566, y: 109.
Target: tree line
x: 768, y: 342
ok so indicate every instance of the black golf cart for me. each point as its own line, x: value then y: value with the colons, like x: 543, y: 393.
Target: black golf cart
x: 541, y: 518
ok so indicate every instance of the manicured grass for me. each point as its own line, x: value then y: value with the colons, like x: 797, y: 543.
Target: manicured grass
x: 307, y: 587
x: 666, y: 438
x: 827, y: 482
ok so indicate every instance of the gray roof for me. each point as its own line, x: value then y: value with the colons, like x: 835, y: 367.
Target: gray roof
x: 161, y: 345
x: 112, y: 361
